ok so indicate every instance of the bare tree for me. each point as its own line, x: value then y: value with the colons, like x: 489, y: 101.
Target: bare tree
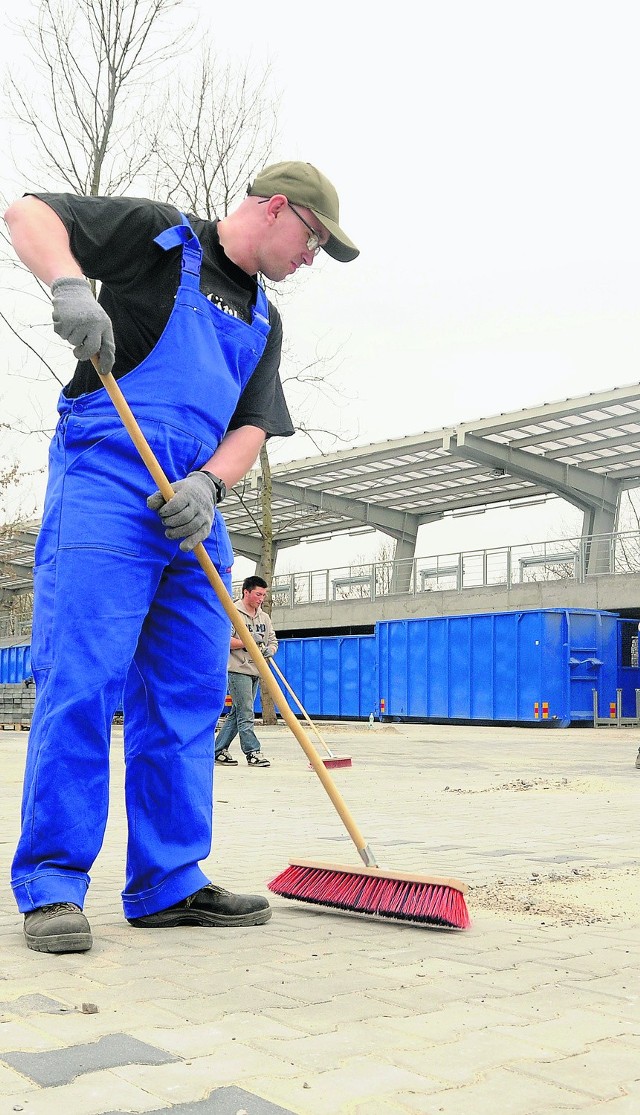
x: 627, y: 552
x: 313, y: 380
x: 266, y: 566
x: 10, y: 475
x: 86, y: 106
x: 218, y: 131
x: 367, y: 578
x: 16, y: 595
x: 85, y: 110
x: 80, y: 105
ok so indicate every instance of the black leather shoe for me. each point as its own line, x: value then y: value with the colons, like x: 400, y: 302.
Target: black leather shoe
x: 58, y: 927
x: 210, y: 906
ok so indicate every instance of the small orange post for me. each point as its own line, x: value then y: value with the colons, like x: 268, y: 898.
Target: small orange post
x: 545, y: 710
x: 536, y: 710
x: 612, y: 710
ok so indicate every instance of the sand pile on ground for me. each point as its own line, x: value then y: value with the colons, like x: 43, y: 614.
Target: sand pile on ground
x: 581, y: 896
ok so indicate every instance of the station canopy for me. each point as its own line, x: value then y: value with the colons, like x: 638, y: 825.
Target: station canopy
x: 585, y: 450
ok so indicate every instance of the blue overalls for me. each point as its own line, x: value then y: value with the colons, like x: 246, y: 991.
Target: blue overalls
x: 120, y: 608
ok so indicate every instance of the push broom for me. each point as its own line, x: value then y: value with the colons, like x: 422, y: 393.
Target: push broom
x: 332, y: 760
x: 422, y: 899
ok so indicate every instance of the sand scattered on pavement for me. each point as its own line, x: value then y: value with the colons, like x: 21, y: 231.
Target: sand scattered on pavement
x: 556, y: 785
x: 580, y: 896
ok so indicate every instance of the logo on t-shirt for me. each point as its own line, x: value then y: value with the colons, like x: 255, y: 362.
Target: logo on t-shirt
x: 220, y: 304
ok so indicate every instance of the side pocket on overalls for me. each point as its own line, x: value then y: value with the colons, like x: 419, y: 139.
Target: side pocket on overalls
x: 218, y: 546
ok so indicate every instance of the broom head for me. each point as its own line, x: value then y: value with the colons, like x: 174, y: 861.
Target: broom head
x: 333, y: 761
x: 422, y: 899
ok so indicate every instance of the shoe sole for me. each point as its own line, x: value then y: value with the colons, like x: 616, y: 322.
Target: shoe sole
x: 60, y: 942
x: 166, y: 920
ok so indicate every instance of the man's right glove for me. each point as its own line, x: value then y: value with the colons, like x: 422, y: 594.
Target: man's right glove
x: 266, y: 651
x: 81, y: 321
x: 189, y: 513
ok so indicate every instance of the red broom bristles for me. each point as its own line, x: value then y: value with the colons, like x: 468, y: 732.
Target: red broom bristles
x: 421, y: 901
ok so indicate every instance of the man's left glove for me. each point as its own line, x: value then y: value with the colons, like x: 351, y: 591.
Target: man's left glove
x: 266, y: 651
x: 189, y: 514
x: 81, y: 321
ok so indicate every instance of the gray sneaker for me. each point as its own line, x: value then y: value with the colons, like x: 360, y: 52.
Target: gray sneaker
x: 58, y: 927
x: 257, y: 759
x: 226, y: 757
x: 638, y: 760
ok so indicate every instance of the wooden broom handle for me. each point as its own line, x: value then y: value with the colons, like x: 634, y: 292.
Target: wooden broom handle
x: 154, y: 467
x: 274, y: 666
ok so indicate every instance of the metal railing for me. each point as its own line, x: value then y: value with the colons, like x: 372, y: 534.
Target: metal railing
x: 574, y: 559
x: 14, y: 629
x: 615, y: 719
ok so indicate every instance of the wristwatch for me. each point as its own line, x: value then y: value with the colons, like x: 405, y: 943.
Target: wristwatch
x: 219, y: 485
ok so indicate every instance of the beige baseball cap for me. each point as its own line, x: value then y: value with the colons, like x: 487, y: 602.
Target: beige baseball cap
x: 303, y: 184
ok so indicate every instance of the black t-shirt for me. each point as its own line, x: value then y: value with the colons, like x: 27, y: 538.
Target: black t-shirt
x: 112, y: 240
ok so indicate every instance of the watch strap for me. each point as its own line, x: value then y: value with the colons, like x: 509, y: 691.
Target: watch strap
x: 219, y: 485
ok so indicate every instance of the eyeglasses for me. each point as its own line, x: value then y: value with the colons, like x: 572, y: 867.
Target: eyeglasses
x: 313, y: 242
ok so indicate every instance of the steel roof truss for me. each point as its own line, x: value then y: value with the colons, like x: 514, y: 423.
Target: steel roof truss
x: 583, y: 488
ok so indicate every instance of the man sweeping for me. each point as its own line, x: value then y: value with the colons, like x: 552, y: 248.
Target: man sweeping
x: 121, y: 606
x: 244, y: 679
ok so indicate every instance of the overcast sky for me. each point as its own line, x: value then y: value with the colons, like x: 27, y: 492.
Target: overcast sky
x: 486, y: 160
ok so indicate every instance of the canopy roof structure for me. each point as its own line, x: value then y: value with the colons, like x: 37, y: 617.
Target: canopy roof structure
x: 16, y: 558
x: 585, y: 450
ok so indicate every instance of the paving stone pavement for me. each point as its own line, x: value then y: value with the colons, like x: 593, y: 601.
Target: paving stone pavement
x: 533, y: 1009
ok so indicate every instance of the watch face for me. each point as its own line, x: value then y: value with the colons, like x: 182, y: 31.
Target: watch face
x: 221, y: 487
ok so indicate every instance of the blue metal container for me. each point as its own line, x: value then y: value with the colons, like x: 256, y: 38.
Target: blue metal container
x: 529, y: 667
x: 628, y: 666
x: 333, y: 676
x: 526, y: 667
x: 15, y: 664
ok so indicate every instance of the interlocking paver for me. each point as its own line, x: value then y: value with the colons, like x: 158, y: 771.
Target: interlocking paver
x: 602, y: 1071
x: 574, y: 1030
x: 88, y: 1095
x: 324, y: 1017
x: 192, y: 1078
x: 73, y: 1027
x: 445, y: 1023
x: 508, y: 1093
x: 21, y: 1035
x: 51, y: 1068
x: 184, y: 1039
x: 314, y: 1052
x: 319, y: 1011
x: 473, y: 1054
x: 11, y: 1082
x: 622, y: 985
x: 372, y: 1107
x: 362, y: 1078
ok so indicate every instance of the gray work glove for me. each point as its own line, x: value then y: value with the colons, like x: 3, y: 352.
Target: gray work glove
x: 189, y: 514
x: 266, y: 651
x: 81, y: 321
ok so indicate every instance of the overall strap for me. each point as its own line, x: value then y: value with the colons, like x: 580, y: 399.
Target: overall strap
x: 191, y: 250
x: 261, y: 312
